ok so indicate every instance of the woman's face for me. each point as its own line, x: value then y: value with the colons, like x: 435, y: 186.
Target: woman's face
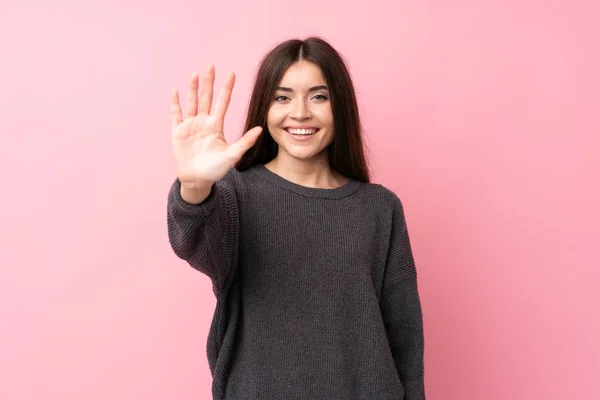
x: 300, y: 118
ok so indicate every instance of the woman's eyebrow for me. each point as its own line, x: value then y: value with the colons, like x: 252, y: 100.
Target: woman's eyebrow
x: 312, y: 89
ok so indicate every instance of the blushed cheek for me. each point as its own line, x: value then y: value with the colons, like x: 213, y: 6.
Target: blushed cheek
x: 274, y: 120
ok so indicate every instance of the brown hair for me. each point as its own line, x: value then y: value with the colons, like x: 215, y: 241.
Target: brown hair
x: 346, y: 152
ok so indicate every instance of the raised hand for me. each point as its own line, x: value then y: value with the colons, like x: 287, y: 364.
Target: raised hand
x: 202, y: 154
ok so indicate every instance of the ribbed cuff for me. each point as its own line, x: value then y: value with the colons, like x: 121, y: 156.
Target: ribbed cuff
x: 201, y: 209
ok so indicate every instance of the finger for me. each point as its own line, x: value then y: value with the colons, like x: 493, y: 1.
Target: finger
x: 176, y: 116
x: 244, y: 143
x: 224, y: 98
x: 206, y: 97
x: 192, y: 102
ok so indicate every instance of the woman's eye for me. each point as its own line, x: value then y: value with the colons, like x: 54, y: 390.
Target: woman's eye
x: 320, y: 97
x: 280, y: 98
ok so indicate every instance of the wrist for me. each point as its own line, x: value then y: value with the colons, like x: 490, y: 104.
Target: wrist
x: 195, y: 193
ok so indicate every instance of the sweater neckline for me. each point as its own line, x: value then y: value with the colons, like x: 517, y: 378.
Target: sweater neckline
x: 342, y: 191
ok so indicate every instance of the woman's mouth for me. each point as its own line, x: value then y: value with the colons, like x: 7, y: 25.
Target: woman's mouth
x: 302, y: 131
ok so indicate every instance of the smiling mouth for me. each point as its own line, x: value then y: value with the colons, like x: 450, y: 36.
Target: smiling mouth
x: 302, y: 132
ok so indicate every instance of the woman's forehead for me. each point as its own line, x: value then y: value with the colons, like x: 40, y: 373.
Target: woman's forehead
x: 302, y: 74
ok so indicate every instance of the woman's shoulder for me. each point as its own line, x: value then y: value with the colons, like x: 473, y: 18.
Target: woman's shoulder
x: 241, y: 180
x: 383, y: 202
x: 382, y: 193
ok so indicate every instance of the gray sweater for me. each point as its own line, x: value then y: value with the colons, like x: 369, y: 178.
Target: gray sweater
x: 316, y: 289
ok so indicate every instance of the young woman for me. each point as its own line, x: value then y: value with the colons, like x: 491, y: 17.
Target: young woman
x: 311, y: 264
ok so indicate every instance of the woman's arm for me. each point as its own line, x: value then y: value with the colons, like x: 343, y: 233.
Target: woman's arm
x: 401, y: 309
x: 206, y: 234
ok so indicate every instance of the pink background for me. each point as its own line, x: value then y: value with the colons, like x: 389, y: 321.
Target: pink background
x: 482, y: 115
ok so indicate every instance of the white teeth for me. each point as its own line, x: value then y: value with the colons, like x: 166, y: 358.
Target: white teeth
x: 302, y: 131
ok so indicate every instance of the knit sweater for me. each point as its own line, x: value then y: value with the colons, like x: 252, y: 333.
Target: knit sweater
x: 316, y: 289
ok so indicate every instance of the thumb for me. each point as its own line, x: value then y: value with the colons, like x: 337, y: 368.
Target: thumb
x: 245, y: 142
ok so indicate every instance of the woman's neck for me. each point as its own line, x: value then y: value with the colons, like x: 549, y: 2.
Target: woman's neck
x: 314, y: 173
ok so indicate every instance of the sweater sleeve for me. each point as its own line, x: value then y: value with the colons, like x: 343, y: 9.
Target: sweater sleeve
x: 401, y: 309
x: 206, y: 235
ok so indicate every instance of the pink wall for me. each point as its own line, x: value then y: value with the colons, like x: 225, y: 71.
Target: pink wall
x: 483, y: 116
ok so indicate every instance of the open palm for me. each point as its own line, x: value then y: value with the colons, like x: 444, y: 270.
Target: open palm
x: 202, y: 154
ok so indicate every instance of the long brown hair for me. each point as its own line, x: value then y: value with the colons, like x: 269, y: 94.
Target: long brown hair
x: 346, y: 152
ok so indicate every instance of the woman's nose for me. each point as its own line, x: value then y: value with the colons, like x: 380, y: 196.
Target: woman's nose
x: 300, y: 110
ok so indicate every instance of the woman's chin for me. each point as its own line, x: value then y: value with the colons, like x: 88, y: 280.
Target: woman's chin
x: 306, y: 154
